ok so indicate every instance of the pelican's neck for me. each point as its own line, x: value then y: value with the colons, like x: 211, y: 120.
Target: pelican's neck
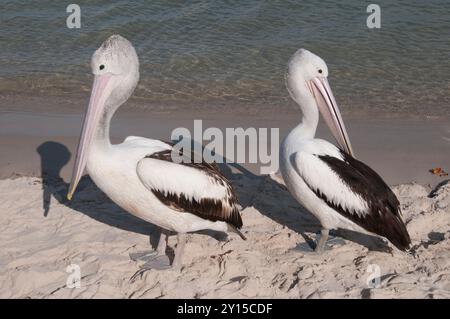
x: 101, y: 138
x: 306, y: 129
x: 122, y: 92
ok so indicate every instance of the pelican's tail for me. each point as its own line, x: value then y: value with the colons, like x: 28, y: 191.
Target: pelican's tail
x: 233, y: 229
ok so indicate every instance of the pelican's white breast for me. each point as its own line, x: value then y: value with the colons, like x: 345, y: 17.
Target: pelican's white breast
x: 113, y: 170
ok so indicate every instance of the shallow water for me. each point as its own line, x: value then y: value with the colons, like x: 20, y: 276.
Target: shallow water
x: 212, y: 54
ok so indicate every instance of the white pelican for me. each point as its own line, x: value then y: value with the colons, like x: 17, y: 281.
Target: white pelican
x: 139, y: 174
x: 339, y: 190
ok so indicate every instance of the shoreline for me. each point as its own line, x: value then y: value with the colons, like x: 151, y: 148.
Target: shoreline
x: 76, y: 103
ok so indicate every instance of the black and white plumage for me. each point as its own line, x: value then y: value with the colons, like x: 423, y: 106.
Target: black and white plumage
x: 206, y: 193
x: 339, y: 190
x: 381, y: 215
x: 138, y: 174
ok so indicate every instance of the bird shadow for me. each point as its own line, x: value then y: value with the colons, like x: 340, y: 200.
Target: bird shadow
x: 89, y: 199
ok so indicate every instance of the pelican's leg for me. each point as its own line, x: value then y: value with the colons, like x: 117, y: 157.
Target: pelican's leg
x: 179, y: 251
x: 150, y: 254
x: 162, y: 262
x: 320, y: 245
x: 162, y: 243
x: 155, y: 259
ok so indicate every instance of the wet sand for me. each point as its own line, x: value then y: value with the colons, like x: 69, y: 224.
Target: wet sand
x: 400, y: 150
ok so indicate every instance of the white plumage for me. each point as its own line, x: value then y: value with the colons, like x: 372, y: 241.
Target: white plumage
x: 170, y: 177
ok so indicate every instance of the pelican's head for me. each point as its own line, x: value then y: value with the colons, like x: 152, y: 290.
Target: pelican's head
x: 116, y: 63
x: 307, y: 65
x: 115, y: 66
x: 306, y: 80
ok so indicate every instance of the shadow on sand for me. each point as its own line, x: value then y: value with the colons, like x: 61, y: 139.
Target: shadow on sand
x: 285, y: 211
x: 54, y: 156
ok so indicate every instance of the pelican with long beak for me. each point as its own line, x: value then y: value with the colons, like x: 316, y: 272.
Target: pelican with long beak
x: 139, y: 174
x: 339, y: 190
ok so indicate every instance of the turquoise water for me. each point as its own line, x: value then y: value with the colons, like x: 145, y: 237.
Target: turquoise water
x: 234, y: 53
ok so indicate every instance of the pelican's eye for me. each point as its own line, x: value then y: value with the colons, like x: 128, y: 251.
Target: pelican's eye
x: 320, y: 70
x: 102, y: 67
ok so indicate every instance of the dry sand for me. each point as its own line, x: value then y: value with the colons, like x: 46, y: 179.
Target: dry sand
x: 41, y: 233
x: 37, y: 245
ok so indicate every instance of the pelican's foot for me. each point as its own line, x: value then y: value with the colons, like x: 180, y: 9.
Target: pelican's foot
x: 334, y: 241
x: 324, y: 243
x: 144, y: 255
x: 321, y: 242
x: 160, y: 262
x: 312, y: 249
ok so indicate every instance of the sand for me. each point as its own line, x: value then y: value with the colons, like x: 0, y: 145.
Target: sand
x: 41, y: 234
x: 40, y: 239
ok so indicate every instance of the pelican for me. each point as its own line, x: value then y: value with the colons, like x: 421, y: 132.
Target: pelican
x: 340, y: 191
x: 139, y: 174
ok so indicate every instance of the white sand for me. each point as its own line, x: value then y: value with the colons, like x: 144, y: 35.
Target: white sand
x: 98, y: 236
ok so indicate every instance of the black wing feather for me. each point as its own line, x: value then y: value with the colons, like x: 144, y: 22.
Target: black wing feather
x: 384, y: 215
x: 208, y: 208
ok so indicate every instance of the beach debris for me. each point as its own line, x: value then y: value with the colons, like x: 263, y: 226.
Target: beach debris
x: 438, y: 171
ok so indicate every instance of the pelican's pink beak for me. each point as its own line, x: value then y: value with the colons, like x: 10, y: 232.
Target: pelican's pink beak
x: 94, y: 111
x: 330, y: 112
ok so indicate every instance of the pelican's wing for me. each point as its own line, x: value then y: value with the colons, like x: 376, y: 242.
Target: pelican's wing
x: 355, y: 191
x: 196, y: 188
